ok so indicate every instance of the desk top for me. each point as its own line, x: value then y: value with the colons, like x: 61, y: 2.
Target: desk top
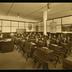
x: 57, y: 46
x: 67, y: 63
x: 5, y: 40
x: 54, y: 44
x: 43, y: 54
x: 69, y: 58
x: 46, y: 50
x: 33, y: 43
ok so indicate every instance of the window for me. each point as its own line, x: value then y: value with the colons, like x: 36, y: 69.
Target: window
x: 67, y: 24
x: 58, y: 21
x: 48, y: 25
x: 21, y: 25
x: 14, y: 26
x: 5, y: 29
x: 5, y: 26
x: 67, y: 20
x: 13, y: 29
x: 48, y: 22
x: 53, y: 27
x: 58, y: 28
x: 58, y: 24
x: 40, y: 27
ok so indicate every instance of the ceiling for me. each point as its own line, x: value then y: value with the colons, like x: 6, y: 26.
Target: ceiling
x: 35, y: 10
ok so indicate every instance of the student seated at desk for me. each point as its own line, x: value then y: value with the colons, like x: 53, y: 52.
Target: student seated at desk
x: 40, y: 43
x: 59, y: 40
x: 27, y: 48
x: 44, y: 41
x: 48, y: 42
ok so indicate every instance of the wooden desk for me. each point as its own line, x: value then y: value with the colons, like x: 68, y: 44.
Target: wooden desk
x: 54, y: 47
x: 33, y: 43
x: 45, y: 50
x: 42, y: 54
x: 6, y: 45
x: 58, y: 49
x: 67, y: 63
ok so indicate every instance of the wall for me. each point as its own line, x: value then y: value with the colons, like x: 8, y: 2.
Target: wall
x: 40, y: 27
x: 54, y: 25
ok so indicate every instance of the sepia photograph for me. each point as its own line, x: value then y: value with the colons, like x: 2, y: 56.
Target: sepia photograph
x: 36, y: 36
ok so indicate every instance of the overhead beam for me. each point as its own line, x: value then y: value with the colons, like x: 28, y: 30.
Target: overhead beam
x: 10, y: 8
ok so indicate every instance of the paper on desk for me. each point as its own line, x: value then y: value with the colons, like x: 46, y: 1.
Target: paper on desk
x: 54, y: 44
x: 45, y: 47
x: 47, y: 50
x: 69, y: 58
x: 7, y: 39
x: 33, y: 43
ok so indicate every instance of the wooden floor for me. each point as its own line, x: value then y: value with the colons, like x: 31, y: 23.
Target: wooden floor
x: 14, y: 60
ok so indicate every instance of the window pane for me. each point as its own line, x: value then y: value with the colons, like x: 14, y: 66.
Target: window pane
x: 33, y: 27
x: 58, y: 21
x: 48, y: 22
x: 48, y: 28
x: 58, y: 28
x: 26, y: 24
x: 13, y: 29
x: 14, y: 24
x: 21, y: 24
x: 53, y: 27
x: 40, y: 27
x: 6, y: 23
x: 48, y: 25
x: 5, y: 29
x: 67, y: 20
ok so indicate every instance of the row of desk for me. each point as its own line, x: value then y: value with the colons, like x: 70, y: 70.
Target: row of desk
x: 67, y: 63
x: 44, y: 55
x: 6, y: 45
